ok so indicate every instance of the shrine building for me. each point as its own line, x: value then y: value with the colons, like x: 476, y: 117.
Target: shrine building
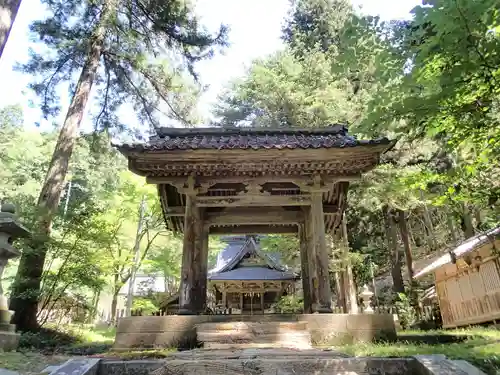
x: 253, y: 181
x: 247, y: 280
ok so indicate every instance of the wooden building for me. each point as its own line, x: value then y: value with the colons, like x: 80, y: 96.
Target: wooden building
x: 467, y: 280
x: 246, y: 280
x: 249, y: 180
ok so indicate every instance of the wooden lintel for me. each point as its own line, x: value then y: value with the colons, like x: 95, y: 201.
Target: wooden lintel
x: 254, y: 216
x: 254, y: 200
x: 179, y: 211
x: 210, y: 181
x: 253, y: 229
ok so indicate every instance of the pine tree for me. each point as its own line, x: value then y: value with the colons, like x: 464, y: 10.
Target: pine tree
x: 121, y: 47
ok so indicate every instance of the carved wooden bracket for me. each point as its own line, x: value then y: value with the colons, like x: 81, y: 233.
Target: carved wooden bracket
x: 253, y: 188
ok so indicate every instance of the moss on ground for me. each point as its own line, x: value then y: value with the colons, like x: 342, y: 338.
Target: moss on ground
x: 29, y: 362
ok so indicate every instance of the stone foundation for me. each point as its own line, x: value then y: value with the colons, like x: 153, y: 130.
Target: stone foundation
x: 9, y: 340
x: 146, y: 332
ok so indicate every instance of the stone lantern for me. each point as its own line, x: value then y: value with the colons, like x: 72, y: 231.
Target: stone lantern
x: 10, y: 229
x: 366, y: 295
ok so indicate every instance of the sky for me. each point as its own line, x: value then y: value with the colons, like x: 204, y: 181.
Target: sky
x: 255, y: 30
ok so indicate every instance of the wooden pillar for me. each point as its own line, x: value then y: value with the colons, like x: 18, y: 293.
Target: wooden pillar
x: 241, y: 303
x: 262, y: 302
x: 350, y: 291
x: 186, y: 297
x: 304, y: 267
x: 322, y: 259
x: 193, y: 289
x: 201, y: 261
x: 311, y: 261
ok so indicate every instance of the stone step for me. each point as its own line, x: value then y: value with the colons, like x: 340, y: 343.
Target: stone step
x: 467, y: 367
x: 243, y: 354
x: 244, y: 335
x: 256, y: 345
x: 298, y: 366
x: 231, y: 336
x: 253, y: 326
x: 249, y: 332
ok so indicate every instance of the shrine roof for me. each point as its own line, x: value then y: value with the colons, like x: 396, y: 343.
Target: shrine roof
x: 462, y: 249
x: 229, y: 259
x: 169, y: 139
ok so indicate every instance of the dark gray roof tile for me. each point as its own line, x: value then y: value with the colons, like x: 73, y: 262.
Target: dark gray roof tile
x: 250, y: 138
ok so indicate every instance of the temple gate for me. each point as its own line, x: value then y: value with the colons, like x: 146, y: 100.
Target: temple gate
x: 249, y: 181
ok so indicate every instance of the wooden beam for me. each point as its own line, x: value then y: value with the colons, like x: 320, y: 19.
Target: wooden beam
x: 174, y: 211
x: 254, y: 201
x: 253, y: 229
x: 178, y: 211
x: 254, y: 216
x: 210, y: 181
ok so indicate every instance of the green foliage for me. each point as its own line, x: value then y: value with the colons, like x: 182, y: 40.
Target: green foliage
x: 429, y: 82
x: 145, y: 305
x: 94, y: 232
x: 283, y: 91
x: 57, y: 339
x: 289, y: 305
x: 286, y: 246
x: 450, y: 94
x: 406, y: 313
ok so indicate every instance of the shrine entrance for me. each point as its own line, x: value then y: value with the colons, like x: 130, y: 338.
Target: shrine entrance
x: 248, y: 181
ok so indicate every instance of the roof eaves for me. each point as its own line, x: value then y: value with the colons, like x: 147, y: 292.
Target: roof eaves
x: 465, y: 247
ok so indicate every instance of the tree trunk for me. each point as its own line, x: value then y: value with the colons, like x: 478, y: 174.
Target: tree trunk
x: 405, y: 237
x: 8, y: 13
x: 114, y: 304
x: 429, y: 227
x: 479, y: 218
x: 26, y: 288
x: 403, y: 228
x: 137, y: 258
x: 340, y: 289
x: 95, y: 307
x: 392, y: 244
x: 451, y: 226
x: 467, y: 225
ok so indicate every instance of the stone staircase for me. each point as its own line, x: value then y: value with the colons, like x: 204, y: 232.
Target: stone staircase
x: 245, y: 335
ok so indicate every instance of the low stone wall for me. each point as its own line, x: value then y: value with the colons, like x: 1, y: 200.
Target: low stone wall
x: 146, y: 332
x: 338, y: 329
x: 270, y: 363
